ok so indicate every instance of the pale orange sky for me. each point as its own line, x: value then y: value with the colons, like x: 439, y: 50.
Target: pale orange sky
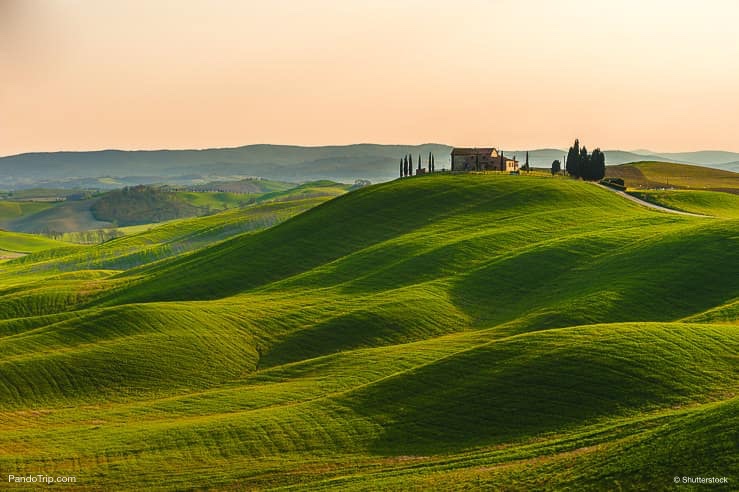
x: 135, y: 74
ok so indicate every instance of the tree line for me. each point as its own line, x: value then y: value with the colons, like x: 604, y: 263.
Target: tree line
x: 406, y: 165
x: 581, y: 164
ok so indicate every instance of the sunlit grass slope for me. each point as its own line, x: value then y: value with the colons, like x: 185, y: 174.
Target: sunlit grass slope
x: 67, y: 216
x: 13, y: 209
x: 213, y: 200
x: 669, y: 175
x: 153, y: 243
x: 716, y: 204
x: 506, y: 250
x: 27, y: 243
x: 33, y: 285
x: 438, y: 333
x: 393, y: 223
x: 442, y: 406
x: 538, y: 382
x: 310, y: 189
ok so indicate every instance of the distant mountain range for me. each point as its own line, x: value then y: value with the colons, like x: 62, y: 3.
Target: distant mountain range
x: 116, y: 168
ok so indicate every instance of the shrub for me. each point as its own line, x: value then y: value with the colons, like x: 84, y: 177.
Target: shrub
x: 616, y: 183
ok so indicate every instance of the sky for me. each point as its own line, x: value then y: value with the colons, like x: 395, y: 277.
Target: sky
x: 524, y: 74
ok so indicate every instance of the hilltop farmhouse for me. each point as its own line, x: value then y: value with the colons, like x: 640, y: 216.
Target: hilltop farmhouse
x: 482, y: 159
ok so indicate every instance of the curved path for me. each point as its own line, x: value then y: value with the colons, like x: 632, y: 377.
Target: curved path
x: 649, y: 204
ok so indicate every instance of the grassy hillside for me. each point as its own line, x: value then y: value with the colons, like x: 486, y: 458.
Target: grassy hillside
x: 26, y: 243
x: 212, y: 201
x: 151, y: 243
x: 311, y: 189
x: 10, y: 210
x: 251, y: 186
x: 668, y: 175
x: 129, y: 208
x: 440, y: 332
x: 712, y: 203
x: 224, y: 200
x: 385, y: 233
x: 69, y: 216
x: 143, y: 205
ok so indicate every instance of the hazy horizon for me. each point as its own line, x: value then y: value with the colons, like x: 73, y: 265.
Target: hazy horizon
x: 645, y: 152
x: 192, y: 74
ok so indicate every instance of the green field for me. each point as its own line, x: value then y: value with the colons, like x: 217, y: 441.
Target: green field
x: 60, y: 217
x: 17, y: 242
x: 129, y: 212
x: 10, y: 210
x: 214, y: 200
x: 712, y: 203
x: 639, y: 175
x: 273, y: 191
x: 445, y: 332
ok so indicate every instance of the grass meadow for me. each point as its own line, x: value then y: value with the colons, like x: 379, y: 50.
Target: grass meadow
x: 442, y: 332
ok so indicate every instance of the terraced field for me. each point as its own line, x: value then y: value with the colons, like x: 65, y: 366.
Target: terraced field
x: 442, y: 332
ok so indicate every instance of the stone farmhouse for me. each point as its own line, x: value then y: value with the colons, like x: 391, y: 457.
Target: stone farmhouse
x: 481, y: 159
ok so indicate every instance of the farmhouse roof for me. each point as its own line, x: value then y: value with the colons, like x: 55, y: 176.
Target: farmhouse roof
x: 472, y: 151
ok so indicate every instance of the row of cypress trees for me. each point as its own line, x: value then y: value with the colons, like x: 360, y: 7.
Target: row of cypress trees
x: 406, y: 165
x: 580, y: 164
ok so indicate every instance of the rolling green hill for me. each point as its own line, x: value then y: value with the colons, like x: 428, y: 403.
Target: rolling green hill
x: 251, y: 186
x: 155, y: 242
x: 712, y: 203
x: 68, y: 216
x: 669, y: 175
x: 26, y: 243
x: 10, y: 210
x: 144, y: 205
x: 443, y: 332
x: 212, y: 201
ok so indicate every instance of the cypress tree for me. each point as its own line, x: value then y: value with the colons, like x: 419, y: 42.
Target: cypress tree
x: 401, y: 168
x: 593, y: 165
x: 598, y: 164
x: 419, y: 163
x: 405, y: 166
x: 573, y: 159
x: 584, y: 170
x: 556, y: 166
x: 580, y: 164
